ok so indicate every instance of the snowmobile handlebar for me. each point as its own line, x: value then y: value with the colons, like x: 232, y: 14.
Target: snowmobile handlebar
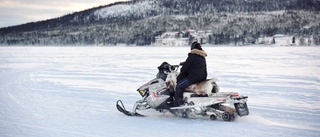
x: 174, y: 67
x: 167, y: 67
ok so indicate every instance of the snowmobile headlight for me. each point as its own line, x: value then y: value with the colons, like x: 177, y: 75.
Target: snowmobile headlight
x: 142, y: 92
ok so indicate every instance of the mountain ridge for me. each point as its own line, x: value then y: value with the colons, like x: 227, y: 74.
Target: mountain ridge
x: 141, y: 21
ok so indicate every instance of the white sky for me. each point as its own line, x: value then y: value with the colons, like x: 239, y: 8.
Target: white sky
x: 16, y: 12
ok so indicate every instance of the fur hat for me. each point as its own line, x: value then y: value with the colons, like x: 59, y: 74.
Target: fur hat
x: 196, y: 45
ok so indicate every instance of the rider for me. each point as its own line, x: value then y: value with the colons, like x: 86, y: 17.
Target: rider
x: 194, y: 70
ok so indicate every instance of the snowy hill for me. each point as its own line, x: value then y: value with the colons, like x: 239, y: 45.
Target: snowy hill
x: 141, y: 9
x: 139, y: 22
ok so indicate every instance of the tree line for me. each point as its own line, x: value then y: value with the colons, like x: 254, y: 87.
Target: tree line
x: 227, y: 21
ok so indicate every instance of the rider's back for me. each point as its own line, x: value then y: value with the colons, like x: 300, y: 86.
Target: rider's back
x: 195, y: 67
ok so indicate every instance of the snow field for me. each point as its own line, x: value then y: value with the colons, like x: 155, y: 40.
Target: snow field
x: 71, y: 91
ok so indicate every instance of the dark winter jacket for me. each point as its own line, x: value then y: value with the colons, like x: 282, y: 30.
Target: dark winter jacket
x: 195, y: 67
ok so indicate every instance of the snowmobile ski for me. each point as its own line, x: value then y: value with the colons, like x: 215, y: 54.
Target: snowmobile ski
x: 122, y: 109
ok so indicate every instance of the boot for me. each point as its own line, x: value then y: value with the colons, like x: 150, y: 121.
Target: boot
x: 178, y: 102
x: 170, y: 100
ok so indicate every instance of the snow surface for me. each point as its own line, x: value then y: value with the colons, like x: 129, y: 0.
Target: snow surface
x: 71, y: 91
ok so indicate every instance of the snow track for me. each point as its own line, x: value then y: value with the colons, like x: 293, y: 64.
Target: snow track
x: 71, y: 91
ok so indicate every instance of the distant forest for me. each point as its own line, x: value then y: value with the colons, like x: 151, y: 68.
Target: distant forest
x: 226, y: 21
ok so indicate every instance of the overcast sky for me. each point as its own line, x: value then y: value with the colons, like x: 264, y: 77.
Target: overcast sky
x: 15, y: 12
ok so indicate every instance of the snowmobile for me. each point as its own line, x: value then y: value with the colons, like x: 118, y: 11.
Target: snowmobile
x: 201, y: 100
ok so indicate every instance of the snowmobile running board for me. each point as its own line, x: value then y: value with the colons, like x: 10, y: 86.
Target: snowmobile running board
x: 193, y: 106
x: 122, y: 109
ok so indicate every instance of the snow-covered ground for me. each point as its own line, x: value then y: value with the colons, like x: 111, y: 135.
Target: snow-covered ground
x: 140, y: 9
x: 71, y: 91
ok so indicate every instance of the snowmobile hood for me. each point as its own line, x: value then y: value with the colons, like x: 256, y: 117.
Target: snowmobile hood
x: 198, y: 52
